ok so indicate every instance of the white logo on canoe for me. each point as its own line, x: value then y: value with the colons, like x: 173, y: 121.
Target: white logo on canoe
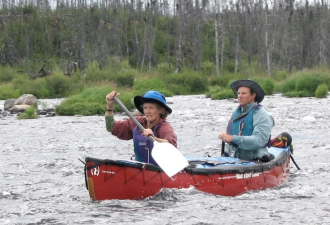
x: 110, y: 172
x: 95, y: 171
x: 241, y: 176
x: 246, y: 175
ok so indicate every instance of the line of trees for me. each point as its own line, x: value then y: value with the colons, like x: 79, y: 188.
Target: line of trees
x: 230, y: 34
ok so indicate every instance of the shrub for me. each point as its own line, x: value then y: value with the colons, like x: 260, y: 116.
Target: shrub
x: 321, y: 91
x: 224, y: 94
x: 281, y: 75
x: 8, y: 91
x: 212, y: 90
x: 93, y: 73
x: 80, y: 108
x: 37, y: 87
x: 133, y: 61
x: 142, y: 85
x: 145, y: 84
x: 178, y: 89
x: 217, y: 81
x: 207, y: 68
x: 29, y: 113
x: 77, y: 84
x: 92, y: 101
x: 178, y: 78
x: 6, y: 74
x: 297, y: 94
x: 230, y: 67
x: 165, y: 68
x: 224, y: 80
x: 115, y: 63
x: 288, y: 85
x: 304, y: 84
x: 197, y: 83
x: 125, y: 79
x: 187, y: 83
x: 230, y: 82
x: 58, y: 85
x: 266, y: 83
x: 309, y: 83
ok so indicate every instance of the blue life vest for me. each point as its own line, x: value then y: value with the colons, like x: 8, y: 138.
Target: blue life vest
x: 235, y: 122
x: 143, y: 146
x: 235, y: 127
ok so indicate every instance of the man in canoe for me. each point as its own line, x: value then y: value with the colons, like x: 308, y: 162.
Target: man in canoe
x: 153, y: 106
x: 249, y: 128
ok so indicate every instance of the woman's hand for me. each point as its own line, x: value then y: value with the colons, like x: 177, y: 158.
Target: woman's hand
x: 148, y: 132
x: 109, y: 99
x: 225, y: 137
x: 110, y: 96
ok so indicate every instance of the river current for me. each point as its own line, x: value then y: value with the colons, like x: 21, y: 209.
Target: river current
x: 42, y: 179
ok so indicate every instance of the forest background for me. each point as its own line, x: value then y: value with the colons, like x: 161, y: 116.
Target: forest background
x: 82, y: 50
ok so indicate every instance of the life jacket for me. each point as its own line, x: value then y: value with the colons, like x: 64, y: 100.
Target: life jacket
x: 241, y: 124
x: 143, y: 146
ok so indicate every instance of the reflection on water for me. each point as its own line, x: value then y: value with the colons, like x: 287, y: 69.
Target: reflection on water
x: 42, y: 180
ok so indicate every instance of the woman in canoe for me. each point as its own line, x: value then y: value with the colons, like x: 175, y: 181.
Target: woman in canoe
x: 153, y: 106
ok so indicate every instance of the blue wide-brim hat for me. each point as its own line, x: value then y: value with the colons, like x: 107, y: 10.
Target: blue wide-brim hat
x: 151, y: 97
x: 251, y: 84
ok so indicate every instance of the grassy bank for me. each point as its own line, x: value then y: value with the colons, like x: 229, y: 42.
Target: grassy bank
x: 85, y: 92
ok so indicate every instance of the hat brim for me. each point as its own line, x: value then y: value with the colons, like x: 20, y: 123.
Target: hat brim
x: 139, y: 100
x: 250, y: 84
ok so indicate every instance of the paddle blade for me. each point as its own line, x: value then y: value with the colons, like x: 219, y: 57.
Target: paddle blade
x: 169, y: 158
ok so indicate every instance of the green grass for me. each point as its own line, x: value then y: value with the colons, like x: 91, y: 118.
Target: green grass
x: 85, y: 93
x: 92, y: 101
x: 29, y: 113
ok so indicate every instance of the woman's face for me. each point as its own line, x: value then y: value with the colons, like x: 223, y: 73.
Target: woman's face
x: 152, y: 112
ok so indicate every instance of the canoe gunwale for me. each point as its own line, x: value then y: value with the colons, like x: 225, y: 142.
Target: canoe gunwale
x: 122, y: 163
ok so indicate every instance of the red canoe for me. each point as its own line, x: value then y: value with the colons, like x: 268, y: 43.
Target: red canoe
x: 124, y: 179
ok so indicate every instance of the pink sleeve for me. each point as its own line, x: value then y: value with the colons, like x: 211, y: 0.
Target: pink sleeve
x: 124, y: 129
x: 166, y: 132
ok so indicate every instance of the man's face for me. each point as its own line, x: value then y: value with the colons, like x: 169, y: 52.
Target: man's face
x: 244, y: 96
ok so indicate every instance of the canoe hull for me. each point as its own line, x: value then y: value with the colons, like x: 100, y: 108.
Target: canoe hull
x: 121, y: 179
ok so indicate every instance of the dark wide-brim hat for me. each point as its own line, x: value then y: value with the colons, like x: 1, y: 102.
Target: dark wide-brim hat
x: 151, y: 97
x: 250, y: 84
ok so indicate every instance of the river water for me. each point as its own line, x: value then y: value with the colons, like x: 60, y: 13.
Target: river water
x: 42, y: 179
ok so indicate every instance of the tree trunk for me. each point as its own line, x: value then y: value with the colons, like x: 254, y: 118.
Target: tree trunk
x: 216, y: 44
x: 237, y: 53
x: 267, y: 46
x: 178, y: 52
x: 197, y: 50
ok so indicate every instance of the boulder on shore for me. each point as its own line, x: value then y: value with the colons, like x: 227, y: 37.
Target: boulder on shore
x: 27, y: 99
x: 9, y: 103
x: 19, y: 109
x: 20, y: 104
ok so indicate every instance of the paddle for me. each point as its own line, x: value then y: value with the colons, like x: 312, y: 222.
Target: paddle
x: 294, y: 161
x: 168, y: 157
x: 223, y: 147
